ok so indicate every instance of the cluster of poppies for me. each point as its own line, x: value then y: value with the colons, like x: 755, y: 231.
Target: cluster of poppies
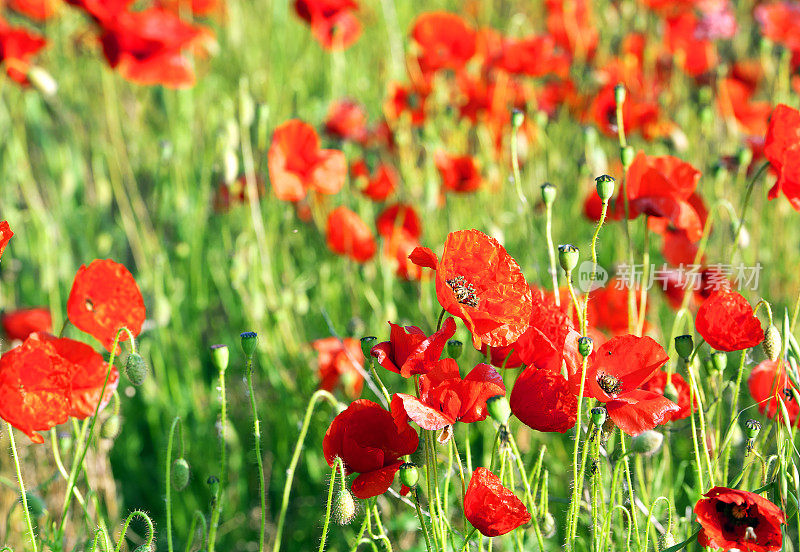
x: 146, y: 46
x: 45, y: 379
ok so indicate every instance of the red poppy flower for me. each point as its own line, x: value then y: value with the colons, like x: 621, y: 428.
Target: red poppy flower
x: 406, y: 99
x: 735, y: 100
x: 19, y: 324
x: 103, y: 299
x: 347, y: 120
x: 782, y: 149
x: 780, y: 22
x: 198, y: 8
x: 731, y: 518
x: 370, y: 443
x: 337, y: 362
x: 333, y: 22
x: 695, y: 55
x: 608, y: 307
x: 615, y: 373
x: 768, y: 384
x: 297, y: 164
x: 657, y: 383
x: 17, y: 46
x: 727, y: 323
x: 543, y: 400
x: 572, y: 25
x: 348, y: 235
x: 444, y: 39
x: 35, y: 9
x: 479, y: 282
x: 5, y: 235
x: 445, y: 398
x: 381, y: 185
x: 399, y: 217
x: 101, y: 10
x: 459, y: 173
x: 409, y: 351
x: 491, y: 508
x: 396, y: 249
x: 534, y: 56
x: 640, y: 114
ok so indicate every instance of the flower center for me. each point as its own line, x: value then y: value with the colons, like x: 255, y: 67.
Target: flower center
x: 739, y: 511
x: 465, y: 292
x: 609, y: 384
x: 788, y: 394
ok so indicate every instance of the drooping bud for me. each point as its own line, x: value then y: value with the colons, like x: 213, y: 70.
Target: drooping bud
x: 249, y: 342
x: 136, y: 369
x: 454, y: 349
x: 548, y: 193
x: 568, y: 256
x: 110, y: 428
x: 752, y: 427
x: 344, y: 507
x: 367, y: 343
x: 626, y: 155
x: 605, y: 186
x: 719, y: 360
x: 585, y: 346
x: 647, y: 442
x: 219, y: 355
x: 499, y: 409
x: 180, y: 474
x: 549, y: 526
x: 684, y: 345
x: 409, y: 474
x: 772, y: 343
x: 599, y: 416
x: 517, y: 118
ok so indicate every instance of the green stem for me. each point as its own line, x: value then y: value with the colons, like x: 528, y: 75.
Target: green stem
x: 23, y: 494
x: 257, y: 435
x: 627, y: 468
x: 216, y: 508
x: 150, y: 530
x: 574, y: 504
x: 168, y: 478
x: 422, y: 524
x: 551, y: 253
x: 327, y: 522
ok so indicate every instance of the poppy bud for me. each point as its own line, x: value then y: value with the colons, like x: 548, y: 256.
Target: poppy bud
x: 549, y: 526
x: 454, y: 348
x: 667, y: 541
x: 619, y: 94
x: 752, y: 427
x: 598, y: 414
x: 219, y: 355
x: 719, y: 360
x: 772, y: 343
x: 548, y: 193
x: 517, y: 118
x: 36, y: 506
x: 706, y: 115
x: 671, y: 392
x: 605, y: 186
x: 626, y: 155
x: 344, y: 508
x: 111, y: 427
x: 180, y: 474
x: 409, y: 474
x: 684, y: 345
x: 585, y: 346
x: 499, y: 409
x: 135, y: 369
x: 744, y: 157
x: 249, y: 341
x: 213, y: 486
x: 647, y: 442
x: 568, y: 257
x: 540, y: 118
x: 367, y: 343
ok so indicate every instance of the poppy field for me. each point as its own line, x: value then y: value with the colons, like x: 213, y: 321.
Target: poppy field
x: 365, y: 275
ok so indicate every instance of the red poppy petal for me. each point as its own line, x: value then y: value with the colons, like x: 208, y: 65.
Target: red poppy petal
x: 376, y: 482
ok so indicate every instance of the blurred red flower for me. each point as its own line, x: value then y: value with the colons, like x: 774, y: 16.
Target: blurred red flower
x: 35, y: 9
x: 370, y: 443
x: 399, y: 216
x: 396, y: 249
x: 337, y: 362
x: 768, y: 384
x: 19, y: 324
x: 381, y: 184
x: 735, y: 100
x: 572, y: 25
x: 198, y: 8
x: 409, y: 351
x: 780, y: 22
x: 657, y: 384
x: 333, y: 22
x: 731, y: 518
x: 445, y: 41
x: 782, y: 149
x: 348, y: 235
x: 101, y: 10
x: 5, y: 235
x: 17, y: 46
x: 490, y: 507
x: 479, y: 282
x: 543, y: 400
x: 103, y: 299
x: 406, y: 99
x: 534, y: 56
x: 347, y: 120
x: 297, y: 164
x: 695, y: 55
x: 445, y: 398
x: 459, y: 172
x: 727, y: 323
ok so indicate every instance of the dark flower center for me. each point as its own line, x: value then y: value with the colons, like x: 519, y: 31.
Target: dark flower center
x: 734, y: 517
x: 609, y: 384
x: 788, y: 394
x: 465, y: 293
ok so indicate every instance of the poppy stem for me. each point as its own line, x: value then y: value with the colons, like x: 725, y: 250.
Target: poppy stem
x: 150, y: 530
x: 168, y: 477
x: 515, y: 166
x: 327, y: 521
x: 216, y: 507
x: 603, y: 211
x: 726, y: 454
x: 439, y: 322
x: 645, y: 278
x: 422, y: 520
x: 467, y: 539
x: 745, y: 204
x: 259, y: 461
x: 23, y: 494
x: 371, y: 361
x: 528, y: 493
x: 627, y: 470
x: 551, y: 252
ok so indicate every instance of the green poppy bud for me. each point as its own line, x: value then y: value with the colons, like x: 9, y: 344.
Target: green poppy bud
x: 568, y: 256
x: 626, y: 155
x: 598, y: 414
x: 647, y: 443
x: 548, y: 193
x: 344, y: 507
x: 744, y: 157
x: 249, y: 342
x: 752, y: 427
x: 180, y: 474
x: 111, y: 427
x: 213, y: 486
x: 219, y: 355
x: 772, y: 343
x: 409, y: 474
x: 605, y: 186
x: 499, y: 409
x: 719, y: 360
x: 684, y: 345
x: 454, y: 348
x: 585, y: 346
x: 136, y: 369
x: 619, y: 94
x: 517, y: 118
x: 367, y: 343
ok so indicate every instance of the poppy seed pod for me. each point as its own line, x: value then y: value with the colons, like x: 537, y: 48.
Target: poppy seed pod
x: 568, y: 256
x: 598, y: 414
x: 684, y: 345
x: 627, y: 155
x: 647, y: 442
x: 249, y: 342
x: 619, y: 94
x: 136, y: 369
x: 719, y: 360
x: 752, y: 427
x: 605, y: 186
x: 180, y: 474
x: 367, y: 343
x: 772, y: 343
x: 409, y: 474
x: 585, y: 346
x: 219, y: 355
x: 548, y: 193
x: 499, y: 409
x: 344, y: 507
x: 517, y: 118
x: 454, y: 348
